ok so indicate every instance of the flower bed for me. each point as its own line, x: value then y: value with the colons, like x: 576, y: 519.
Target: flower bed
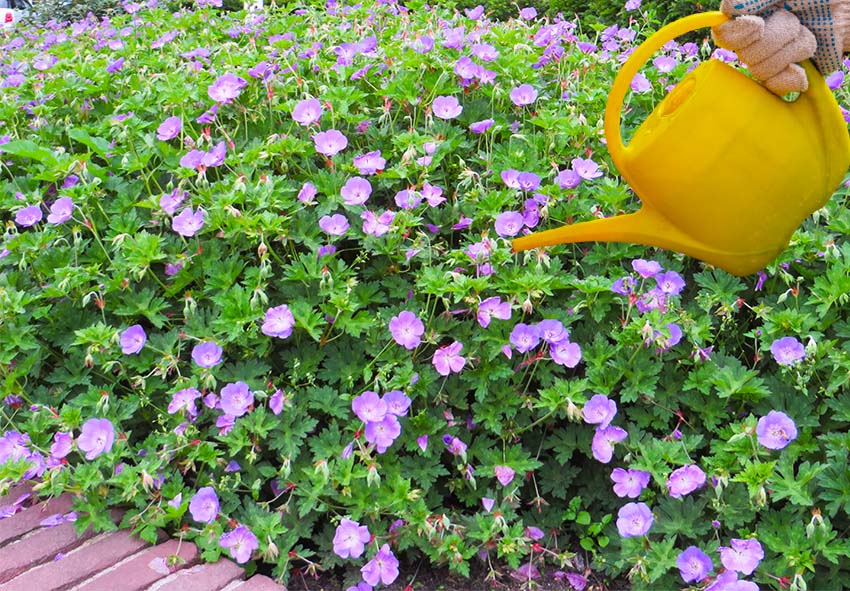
x: 256, y: 285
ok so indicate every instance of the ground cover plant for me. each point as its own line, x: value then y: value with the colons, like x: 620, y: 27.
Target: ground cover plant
x: 256, y: 285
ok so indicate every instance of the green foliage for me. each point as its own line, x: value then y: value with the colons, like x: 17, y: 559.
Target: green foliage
x: 498, y: 455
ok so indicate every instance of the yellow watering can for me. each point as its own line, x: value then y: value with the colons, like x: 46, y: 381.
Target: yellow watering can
x: 726, y: 170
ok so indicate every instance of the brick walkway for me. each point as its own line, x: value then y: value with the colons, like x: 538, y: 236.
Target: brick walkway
x: 34, y: 557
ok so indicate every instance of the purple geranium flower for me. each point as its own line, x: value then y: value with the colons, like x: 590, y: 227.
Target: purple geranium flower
x: 685, y: 480
x: 133, y: 339
x: 356, y: 191
x: 448, y: 359
x: 587, y: 169
x: 599, y: 410
x: 169, y: 129
x: 568, y: 179
x: 397, y: 403
x: 776, y: 430
x: 278, y: 322
x: 383, y: 568
x: 370, y: 163
x: 481, y: 126
x: 207, y: 354
x: 525, y: 337
x: 334, y: 225
x: 382, y: 433
x: 369, y: 407
x: 552, y: 331
x: 509, y: 223
x: 236, y: 399
x: 629, y: 483
x: 603, y: 442
x: 565, y: 353
x: 646, y: 268
x: 62, y: 444
x: 350, y: 539
x: 694, y: 564
x: 61, y: 210
x: 407, y: 330
x: 330, y: 142
x: 187, y: 223
x: 96, y: 437
x: 446, y: 107
x: 787, y: 350
x: 504, y: 474
x: 742, y: 556
x: 307, y: 112
x: 670, y: 283
x: 634, y: 519
x: 226, y: 88
x: 524, y: 94
x: 307, y: 193
x: 493, y: 308
x: 204, y: 505
x: 377, y: 225
x: 241, y: 542
x: 184, y: 400
x: 28, y: 216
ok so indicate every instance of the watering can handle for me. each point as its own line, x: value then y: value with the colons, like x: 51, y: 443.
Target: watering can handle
x: 641, y: 55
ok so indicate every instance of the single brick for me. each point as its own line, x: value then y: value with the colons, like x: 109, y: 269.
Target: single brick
x: 15, y: 491
x: 82, y: 563
x: 27, y: 520
x: 203, y: 577
x: 144, y: 569
x: 42, y: 546
x: 260, y: 583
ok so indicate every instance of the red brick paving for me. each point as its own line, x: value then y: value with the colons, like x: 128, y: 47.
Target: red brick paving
x: 38, y: 558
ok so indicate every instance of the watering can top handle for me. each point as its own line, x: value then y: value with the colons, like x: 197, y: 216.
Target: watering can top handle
x: 641, y: 55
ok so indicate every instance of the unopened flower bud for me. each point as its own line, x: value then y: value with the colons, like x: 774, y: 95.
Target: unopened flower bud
x: 527, y: 306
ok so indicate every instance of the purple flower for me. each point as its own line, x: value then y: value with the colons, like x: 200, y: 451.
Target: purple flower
x: 474, y: 13
x: 640, y: 83
x: 509, y: 223
x: 188, y: 222
x: 236, y: 399
x: 307, y: 193
x: 214, y: 157
x: 397, y: 403
x: 381, y: 569
x: 481, y: 126
x: 455, y: 446
x: 576, y: 581
x: 307, y: 112
x: 408, y: 199
x: 493, y: 308
x: 382, y: 433
x: 528, y: 14
x: 13, y: 446
x: 776, y: 430
x: 278, y: 322
x: 599, y: 410
x: 534, y: 533
x: 276, y: 402
x: 634, y: 519
x: 407, y: 330
x: 369, y: 407
x: 241, y: 542
x: 432, y: 194
x: 646, y: 268
x: 192, y: 159
x: 568, y: 179
x: 350, y: 539
x: 488, y: 503
x: 835, y: 80
x: 61, y: 210
x: 565, y: 353
x: 356, y: 191
x: 204, y: 505
x: 685, y: 480
x: 207, y: 354
x: 587, y: 169
x: 604, y: 440
x: 524, y: 94
x: 670, y: 283
x: 629, y: 483
x: 528, y: 181
x: 330, y: 142
x: 448, y: 359
x: 96, y: 437
x: 552, y: 331
x: 28, y: 216
x: 787, y: 350
x: 525, y: 337
x: 664, y: 63
x: 169, y: 129
x: 370, y: 163
x: 226, y: 88
x: 377, y: 225
x: 742, y: 556
x: 632, y: 5
x: 133, y: 339
x: 184, y: 399
x: 694, y: 564
x: 62, y: 444
x: 446, y: 107
x: 169, y: 202
x: 334, y: 225
x: 504, y: 474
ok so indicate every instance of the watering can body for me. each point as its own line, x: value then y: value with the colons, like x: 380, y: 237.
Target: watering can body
x: 726, y: 170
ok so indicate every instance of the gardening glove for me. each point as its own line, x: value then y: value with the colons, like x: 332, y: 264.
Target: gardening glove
x: 770, y: 36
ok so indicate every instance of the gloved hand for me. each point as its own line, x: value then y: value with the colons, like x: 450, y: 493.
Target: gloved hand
x: 770, y: 36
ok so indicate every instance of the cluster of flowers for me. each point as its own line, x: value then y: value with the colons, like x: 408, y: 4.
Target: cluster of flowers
x: 380, y: 415
x: 204, y: 507
x: 526, y: 337
x: 350, y: 540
